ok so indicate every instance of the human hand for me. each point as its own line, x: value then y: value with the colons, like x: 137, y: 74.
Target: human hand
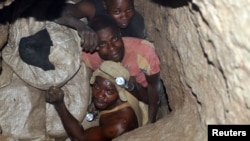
x: 89, y: 38
x: 54, y: 95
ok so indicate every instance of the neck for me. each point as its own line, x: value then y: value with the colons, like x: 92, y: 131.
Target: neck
x: 118, y: 102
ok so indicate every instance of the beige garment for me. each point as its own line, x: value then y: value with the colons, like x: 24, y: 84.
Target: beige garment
x: 24, y: 113
x: 76, y: 98
x: 64, y: 54
x: 22, y: 110
x: 111, y: 70
x: 140, y: 108
x: 28, y: 118
x: 6, y: 75
x: 119, y: 107
x: 7, y: 138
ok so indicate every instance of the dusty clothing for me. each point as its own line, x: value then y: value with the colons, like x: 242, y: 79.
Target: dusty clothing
x: 140, y: 108
x: 119, y: 107
x: 64, y: 54
x: 24, y: 112
x: 139, y: 59
x: 34, y: 51
x: 108, y: 70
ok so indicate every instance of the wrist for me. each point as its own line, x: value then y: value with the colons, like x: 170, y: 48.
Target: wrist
x: 59, y: 105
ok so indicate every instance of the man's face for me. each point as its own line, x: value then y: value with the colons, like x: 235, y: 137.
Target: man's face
x: 110, y: 44
x: 105, y: 94
x: 121, y: 10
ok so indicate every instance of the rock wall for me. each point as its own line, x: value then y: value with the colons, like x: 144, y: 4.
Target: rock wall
x: 204, y: 49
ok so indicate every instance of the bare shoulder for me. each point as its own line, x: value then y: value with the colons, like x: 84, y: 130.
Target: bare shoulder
x: 119, y: 122
x: 126, y: 113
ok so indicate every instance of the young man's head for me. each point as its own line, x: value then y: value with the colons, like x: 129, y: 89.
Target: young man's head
x: 121, y: 10
x: 110, y: 44
x: 106, y: 91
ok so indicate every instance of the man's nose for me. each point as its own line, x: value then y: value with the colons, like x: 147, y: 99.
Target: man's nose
x: 124, y: 15
x: 111, y: 46
x: 100, y: 94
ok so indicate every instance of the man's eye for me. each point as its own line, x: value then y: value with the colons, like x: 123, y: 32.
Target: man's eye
x: 115, y: 38
x: 109, y: 91
x: 95, y: 86
x: 102, y: 45
x: 130, y: 10
x: 116, y: 11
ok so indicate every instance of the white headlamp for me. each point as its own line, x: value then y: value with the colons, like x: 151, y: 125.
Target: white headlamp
x: 120, y: 81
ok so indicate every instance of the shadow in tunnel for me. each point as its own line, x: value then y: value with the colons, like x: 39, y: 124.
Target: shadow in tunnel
x: 171, y: 3
x: 39, y: 9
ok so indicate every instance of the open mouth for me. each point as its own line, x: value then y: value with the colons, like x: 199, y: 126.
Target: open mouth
x: 115, y: 56
x: 123, y: 25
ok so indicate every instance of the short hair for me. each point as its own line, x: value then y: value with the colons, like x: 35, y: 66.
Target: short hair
x: 102, y: 21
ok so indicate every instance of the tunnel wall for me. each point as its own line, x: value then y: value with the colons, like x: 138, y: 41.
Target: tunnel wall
x: 204, y: 51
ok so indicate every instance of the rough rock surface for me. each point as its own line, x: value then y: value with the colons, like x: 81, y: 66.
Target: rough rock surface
x: 204, y: 49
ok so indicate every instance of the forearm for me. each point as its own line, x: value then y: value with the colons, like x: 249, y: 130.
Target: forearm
x: 71, y: 125
x: 72, y: 13
x: 152, y: 105
x: 154, y: 87
x: 71, y: 22
x: 71, y: 16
